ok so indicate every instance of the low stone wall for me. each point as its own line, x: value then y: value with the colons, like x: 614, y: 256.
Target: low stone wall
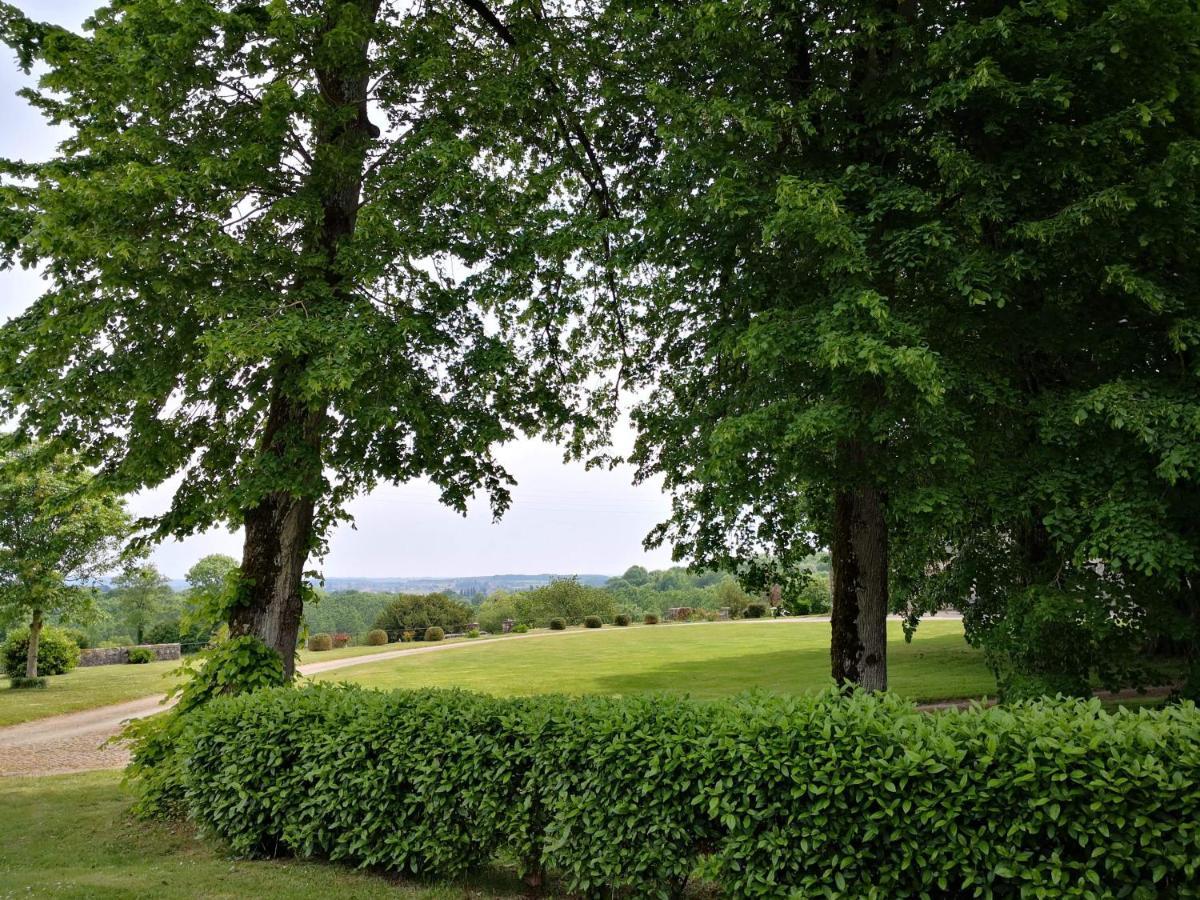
x: 115, y: 656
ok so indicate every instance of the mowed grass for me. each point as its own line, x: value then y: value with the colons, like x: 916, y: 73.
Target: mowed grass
x: 71, y: 836
x: 705, y: 661
x: 85, y: 688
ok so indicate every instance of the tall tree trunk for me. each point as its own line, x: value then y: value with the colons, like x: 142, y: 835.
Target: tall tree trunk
x: 279, y: 528
x: 859, y: 582
x: 35, y: 633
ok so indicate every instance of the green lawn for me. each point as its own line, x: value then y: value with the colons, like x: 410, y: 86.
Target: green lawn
x: 93, y: 686
x: 70, y: 836
x: 703, y: 660
x: 85, y: 689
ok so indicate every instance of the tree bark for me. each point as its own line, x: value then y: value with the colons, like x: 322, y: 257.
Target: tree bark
x: 35, y: 633
x: 859, y: 581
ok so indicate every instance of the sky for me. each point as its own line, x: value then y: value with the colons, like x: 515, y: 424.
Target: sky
x: 563, y: 519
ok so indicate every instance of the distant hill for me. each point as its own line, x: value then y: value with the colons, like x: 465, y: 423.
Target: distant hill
x: 460, y: 584
x: 474, y: 584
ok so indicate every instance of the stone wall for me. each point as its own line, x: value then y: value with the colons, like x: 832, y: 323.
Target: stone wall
x: 115, y: 656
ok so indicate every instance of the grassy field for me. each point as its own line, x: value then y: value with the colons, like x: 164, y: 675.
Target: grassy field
x: 705, y: 661
x: 70, y: 836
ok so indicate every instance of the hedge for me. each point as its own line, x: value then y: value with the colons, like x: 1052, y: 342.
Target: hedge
x: 761, y: 796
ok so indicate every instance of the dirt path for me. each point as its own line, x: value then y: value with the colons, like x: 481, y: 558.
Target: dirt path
x: 73, y: 742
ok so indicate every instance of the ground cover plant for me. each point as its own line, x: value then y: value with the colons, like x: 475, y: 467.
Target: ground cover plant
x: 759, y: 795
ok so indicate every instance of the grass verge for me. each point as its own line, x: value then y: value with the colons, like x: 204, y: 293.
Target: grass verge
x: 70, y: 836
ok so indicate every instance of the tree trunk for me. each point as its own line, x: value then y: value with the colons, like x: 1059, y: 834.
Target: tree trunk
x: 278, y: 537
x: 859, y: 583
x: 279, y: 528
x: 35, y: 633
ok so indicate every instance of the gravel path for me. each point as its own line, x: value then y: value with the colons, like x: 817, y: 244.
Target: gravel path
x: 73, y: 742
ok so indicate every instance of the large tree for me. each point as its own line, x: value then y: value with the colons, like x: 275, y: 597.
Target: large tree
x: 1069, y: 135
x: 796, y: 289
x: 282, y: 240
x: 56, y: 535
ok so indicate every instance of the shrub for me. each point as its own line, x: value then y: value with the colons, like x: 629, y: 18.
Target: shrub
x: 473, y: 633
x: 57, y: 653
x: 341, y: 639
x: 320, y: 642
x: 520, y: 629
x: 82, y: 641
x: 592, y: 622
x: 651, y: 619
x: 434, y: 633
x: 21, y: 682
x: 558, y: 624
x: 418, y: 612
x: 756, y: 611
x: 376, y: 637
x: 770, y: 796
x: 141, y: 655
x: 408, y: 637
x: 622, y: 619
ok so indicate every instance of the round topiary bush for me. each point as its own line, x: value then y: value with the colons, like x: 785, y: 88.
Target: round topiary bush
x: 756, y: 611
x: 434, y: 633
x: 592, y: 622
x: 140, y: 655
x: 622, y: 619
x: 376, y: 637
x: 57, y: 653
x: 320, y: 642
x: 558, y: 624
x: 650, y: 619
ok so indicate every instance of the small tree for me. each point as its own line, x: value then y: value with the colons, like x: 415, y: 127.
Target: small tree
x: 210, y: 587
x: 142, y: 591
x: 56, y: 533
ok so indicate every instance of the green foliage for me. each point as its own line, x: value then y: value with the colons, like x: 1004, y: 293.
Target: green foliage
x: 321, y: 641
x: 377, y: 637
x: 622, y: 619
x: 434, y: 633
x: 473, y: 633
x: 212, y: 587
x: 57, y: 652
x: 558, y: 624
x: 78, y: 636
x: 418, y: 612
x: 252, y: 287
x: 141, y: 593
x: 766, y: 796
x: 349, y: 611
x: 20, y: 681
x: 236, y: 666
x: 564, y: 599
x: 141, y: 655
x: 58, y: 530
x: 650, y: 619
x: 756, y: 610
x: 521, y: 629
x: 592, y: 622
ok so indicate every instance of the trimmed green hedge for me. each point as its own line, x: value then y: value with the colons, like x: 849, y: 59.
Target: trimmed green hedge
x: 761, y: 795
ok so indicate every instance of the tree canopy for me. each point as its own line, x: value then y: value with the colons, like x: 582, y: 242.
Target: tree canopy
x: 279, y: 239
x: 57, y: 535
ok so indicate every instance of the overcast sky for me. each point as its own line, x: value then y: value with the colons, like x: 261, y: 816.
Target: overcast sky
x: 563, y: 519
